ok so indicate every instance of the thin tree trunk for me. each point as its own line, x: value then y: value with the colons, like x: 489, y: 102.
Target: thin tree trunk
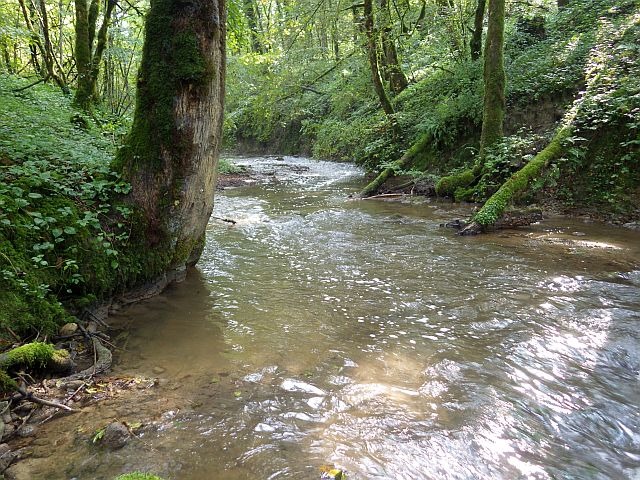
x: 35, y: 44
x: 82, y: 52
x: 170, y: 157
x: 476, y: 37
x: 252, y: 22
x: 494, y: 78
x: 372, y: 52
x: 7, y: 57
x: 405, y: 161
x: 392, y: 69
x: 49, y: 54
x: 101, y: 44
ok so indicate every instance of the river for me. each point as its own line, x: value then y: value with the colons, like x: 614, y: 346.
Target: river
x: 320, y: 330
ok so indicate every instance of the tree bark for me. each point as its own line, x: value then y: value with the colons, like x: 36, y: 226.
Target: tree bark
x: 88, y: 58
x: 372, y: 52
x: 170, y: 157
x: 392, y: 68
x: 476, y: 38
x: 82, y: 53
x: 405, y: 161
x: 494, y: 78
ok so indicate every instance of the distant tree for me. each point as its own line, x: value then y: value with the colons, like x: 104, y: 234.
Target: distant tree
x: 90, y: 48
x: 478, y: 23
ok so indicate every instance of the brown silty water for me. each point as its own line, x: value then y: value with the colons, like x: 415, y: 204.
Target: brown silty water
x: 324, y: 331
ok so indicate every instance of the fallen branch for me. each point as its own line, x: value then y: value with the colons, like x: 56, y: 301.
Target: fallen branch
x: 494, y: 207
x: 25, y: 395
x: 385, y: 195
x: 225, y: 220
x: 404, y: 161
x: 16, y: 90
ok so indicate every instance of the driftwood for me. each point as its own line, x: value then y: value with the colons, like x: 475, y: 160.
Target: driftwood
x: 512, y: 219
x: 23, y: 394
x: 384, y: 195
x: 228, y: 220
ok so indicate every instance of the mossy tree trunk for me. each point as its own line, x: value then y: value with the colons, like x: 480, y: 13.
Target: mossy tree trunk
x: 374, y: 63
x: 495, y: 206
x: 89, y: 49
x: 392, y: 68
x: 478, y: 23
x: 170, y: 157
x: 251, y: 14
x: 494, y: 78
x: 404, y: 162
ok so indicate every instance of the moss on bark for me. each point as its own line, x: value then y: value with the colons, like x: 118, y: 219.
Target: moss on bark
x: 494, y: 77
x: 405, y: 161
x: 495, y: 206
x: 30, y: 355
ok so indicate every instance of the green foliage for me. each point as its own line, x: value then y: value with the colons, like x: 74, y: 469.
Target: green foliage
x: 228, y: 167
x: 138, y: 476
x: 62, y: 233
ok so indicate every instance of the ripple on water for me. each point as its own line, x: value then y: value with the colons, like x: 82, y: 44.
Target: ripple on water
x: 324, y: 330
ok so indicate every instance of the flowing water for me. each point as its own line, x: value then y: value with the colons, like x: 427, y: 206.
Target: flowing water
x: 320, y: 330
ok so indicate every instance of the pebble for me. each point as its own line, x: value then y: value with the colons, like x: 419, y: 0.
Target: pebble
x: 159, y: 370
x: 28, y: 431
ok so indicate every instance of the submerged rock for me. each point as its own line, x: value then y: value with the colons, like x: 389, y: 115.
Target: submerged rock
x: 116, y: 435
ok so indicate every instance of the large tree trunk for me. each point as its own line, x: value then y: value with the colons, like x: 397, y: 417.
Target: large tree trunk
x: 476, y: 38
x: 494, y: 78
x: 171, y: 154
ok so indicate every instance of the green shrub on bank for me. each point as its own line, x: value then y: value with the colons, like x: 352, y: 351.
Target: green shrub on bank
x: 62, y: 235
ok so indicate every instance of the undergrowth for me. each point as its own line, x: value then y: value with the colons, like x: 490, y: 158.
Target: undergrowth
x: 63, y: 234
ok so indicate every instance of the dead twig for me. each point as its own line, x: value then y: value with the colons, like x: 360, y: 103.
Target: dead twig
x: 25, y: 395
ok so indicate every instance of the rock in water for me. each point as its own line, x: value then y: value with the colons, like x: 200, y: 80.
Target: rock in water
x: 115, y: 436
x: 68, y: 329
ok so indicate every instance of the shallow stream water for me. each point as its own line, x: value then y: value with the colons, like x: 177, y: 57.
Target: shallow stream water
x: 320, y: 330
